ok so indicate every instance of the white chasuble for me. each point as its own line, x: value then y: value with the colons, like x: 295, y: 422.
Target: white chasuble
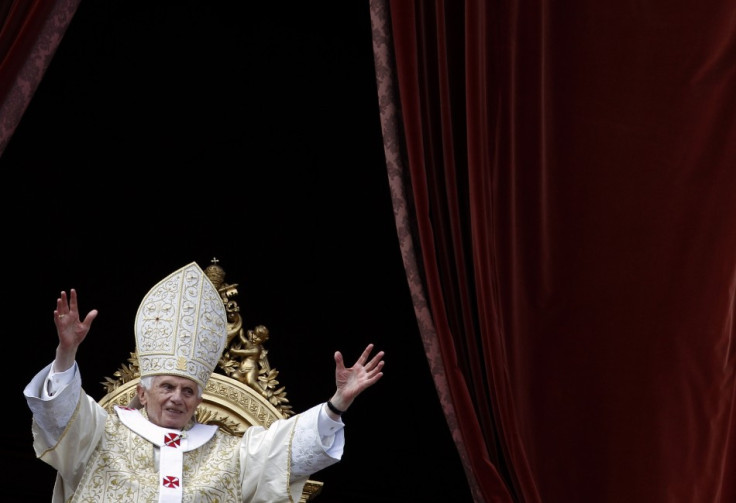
x: 138, y: 461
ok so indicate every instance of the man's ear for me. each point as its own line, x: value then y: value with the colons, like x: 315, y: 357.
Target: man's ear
x: 141, y: 394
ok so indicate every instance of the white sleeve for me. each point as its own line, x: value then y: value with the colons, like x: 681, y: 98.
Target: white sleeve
x: 328, y: 429
x: 270, y: 473
x: 52, y: 398
x: 318, y: 442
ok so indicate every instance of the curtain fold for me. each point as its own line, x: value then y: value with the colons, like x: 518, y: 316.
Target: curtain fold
x: 30, y: 32
x: 563, y: 179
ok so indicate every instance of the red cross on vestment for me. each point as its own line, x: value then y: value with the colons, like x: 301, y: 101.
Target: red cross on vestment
x: 171, y: 482
x: 172, y: 439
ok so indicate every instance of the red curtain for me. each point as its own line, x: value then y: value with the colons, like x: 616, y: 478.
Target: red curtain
x: 564, y: 184
x: 30, y: 32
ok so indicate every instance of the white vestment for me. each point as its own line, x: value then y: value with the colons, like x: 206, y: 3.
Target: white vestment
x: 118, y: 457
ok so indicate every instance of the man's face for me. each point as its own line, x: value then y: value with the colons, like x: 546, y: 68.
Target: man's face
x: 171, y: 401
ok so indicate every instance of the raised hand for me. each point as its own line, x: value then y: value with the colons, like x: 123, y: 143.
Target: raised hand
x: 70, y: 329
x: 351, y: 381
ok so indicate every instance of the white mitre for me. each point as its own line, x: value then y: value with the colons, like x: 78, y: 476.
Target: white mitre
x: 181, y: 326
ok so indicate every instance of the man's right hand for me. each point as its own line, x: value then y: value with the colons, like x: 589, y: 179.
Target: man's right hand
x: 70, y: 329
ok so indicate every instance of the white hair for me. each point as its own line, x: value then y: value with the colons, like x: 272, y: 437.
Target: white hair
x: 147, y: 382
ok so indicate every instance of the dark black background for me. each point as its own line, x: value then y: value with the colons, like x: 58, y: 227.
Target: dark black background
x: 171, y: 131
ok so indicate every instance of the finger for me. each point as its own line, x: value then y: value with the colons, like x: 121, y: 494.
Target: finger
x: 376, y: 360
x: 373, y: 372
x: 61, y: 306
x: 366, y: 353
x: 373, y: 379
x: 73, y: 300
x: 61, y: 301
x: 90, y: 317
x: 339, y: 361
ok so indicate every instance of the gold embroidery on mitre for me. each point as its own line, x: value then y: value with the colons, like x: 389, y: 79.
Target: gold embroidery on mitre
x: 181, y: 326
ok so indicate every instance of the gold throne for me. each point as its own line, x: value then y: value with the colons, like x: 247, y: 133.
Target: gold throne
x: 243, y: 390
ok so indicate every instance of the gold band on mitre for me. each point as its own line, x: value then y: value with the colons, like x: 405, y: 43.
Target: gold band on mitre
x: 181, y: 326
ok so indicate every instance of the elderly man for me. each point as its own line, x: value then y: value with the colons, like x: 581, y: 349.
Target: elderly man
x: 154, y: 450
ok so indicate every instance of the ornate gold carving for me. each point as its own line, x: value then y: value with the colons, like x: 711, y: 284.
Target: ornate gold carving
x: 207, y: 415
x: 311, y: 489
x: 125, y: 373
x: 245, y: 358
